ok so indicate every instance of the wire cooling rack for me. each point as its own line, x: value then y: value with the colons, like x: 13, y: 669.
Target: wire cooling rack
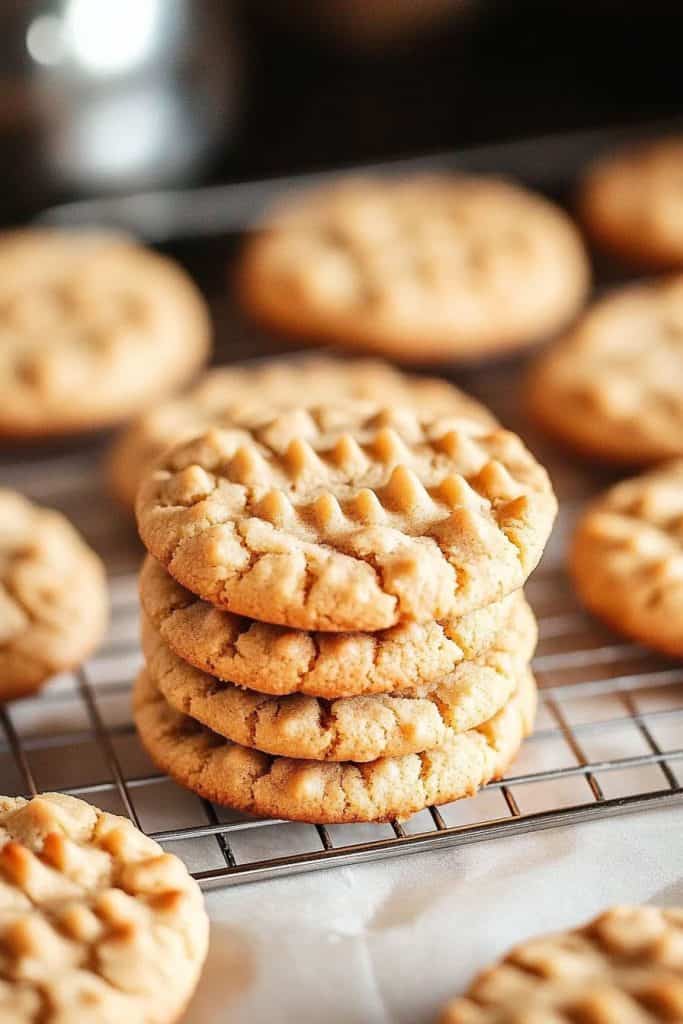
x: 609, y: 737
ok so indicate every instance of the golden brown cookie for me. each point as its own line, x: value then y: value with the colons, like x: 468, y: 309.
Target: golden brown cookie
x: 631, y: 202
x: 93, y: 328
x: 54, y: 604
x: 227, y: 396
x: 419, y: 269
x: 398, y: 516
x: 325, y: 792
x: 350, y: 728
x: 411, y: 657
x: 625, y: 967
x: 626, y: 558
x: 97, y: 924
x: 613, y: 388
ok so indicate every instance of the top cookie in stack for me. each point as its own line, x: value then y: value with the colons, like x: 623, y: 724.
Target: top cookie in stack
x: 376, y: 549
x: 385, y: 516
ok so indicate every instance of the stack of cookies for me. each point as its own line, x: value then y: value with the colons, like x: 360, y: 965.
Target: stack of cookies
x: 334, y: 628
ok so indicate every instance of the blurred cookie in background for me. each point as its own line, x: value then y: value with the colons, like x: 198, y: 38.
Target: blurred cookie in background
x: 243, y: 394
x: 93, y: 329
x: 626, y: 558
x: 613, y: 388
x: 423, y: 269
x: 54, y: 606
x: 631, y: 203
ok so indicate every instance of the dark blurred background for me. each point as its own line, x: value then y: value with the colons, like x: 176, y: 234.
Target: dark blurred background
x: 98, y: 97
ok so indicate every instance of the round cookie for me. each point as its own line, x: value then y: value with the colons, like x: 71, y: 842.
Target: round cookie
x: 97, y: 923
x: 626, y: 558
x: 54, y: 604
x: 350, y: 728
x: 632, y: 203
x: 625, y: 966
x: 327, y: 792
x: 419, y: 269
x: 93, y: 328
x: 228, y: 395
x: 411, y: 657
x: 398, y: 516
x: 614, y: 387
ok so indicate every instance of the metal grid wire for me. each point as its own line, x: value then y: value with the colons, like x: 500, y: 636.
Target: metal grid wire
x: 608, y: 739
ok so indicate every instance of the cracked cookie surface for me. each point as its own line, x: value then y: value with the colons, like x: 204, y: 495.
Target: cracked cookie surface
x: 125, y: 327
x: 613, y: 388
x: 97, y: 924
x: 350, y: 728
x: 53, y: 596
x: 396, y: 516
x: 410, y: 658
x: 424, y: 268
x: 327, y: 792
x: 243, y: 394
x: 626, y: 558
x: 632, y: 203
x: 624, y: 966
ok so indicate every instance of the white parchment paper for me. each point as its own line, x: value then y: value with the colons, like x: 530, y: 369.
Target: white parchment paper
x: 390, y: 941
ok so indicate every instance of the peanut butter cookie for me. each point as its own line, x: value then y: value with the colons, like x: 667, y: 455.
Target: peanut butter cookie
x: 350, y: 728
x: 632, y: 203
x: 93, y: 329
x: 53, y: 596
x: 422, y: 269
x: 613, y: 388
x: 398, y: 516
x: 623, y: 967
x: 327, y: 792
x: 627, y: 558
x: 410, y: 658
x: 98, y: 924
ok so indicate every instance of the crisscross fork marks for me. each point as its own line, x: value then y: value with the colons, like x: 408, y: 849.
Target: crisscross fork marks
x: 356, y: 529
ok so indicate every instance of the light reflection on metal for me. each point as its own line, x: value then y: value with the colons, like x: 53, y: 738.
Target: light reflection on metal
x: 45, y: 41
x: 111, y: 38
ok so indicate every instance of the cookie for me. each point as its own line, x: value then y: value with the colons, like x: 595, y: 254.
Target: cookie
x: 613, y: 388
x: 631, y: 203
x: 230, y: 395
x: 625, y: 967
x: 350, y: 728
x: 125, y: 325
x: 327, y: 792
x: 411, y: 657
x: 398, y: 517
x: 626, y: 558
x: 54, y: 605
x: 420, y: 269
x: 97, y: 923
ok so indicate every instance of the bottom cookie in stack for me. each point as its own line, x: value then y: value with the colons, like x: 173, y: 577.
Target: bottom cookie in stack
x: 324, y: 792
